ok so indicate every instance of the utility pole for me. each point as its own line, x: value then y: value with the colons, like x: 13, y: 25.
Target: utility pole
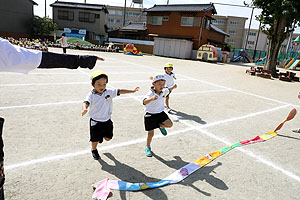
x: 45, y: 8
x: 249, y: 28
x: 254, y: 54
x: 124, y: 14
x: 167, y: 2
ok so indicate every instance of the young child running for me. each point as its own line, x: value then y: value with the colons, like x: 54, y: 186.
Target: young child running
x: 170, y: 76
x: 98, y: 104
x: 155, y: 116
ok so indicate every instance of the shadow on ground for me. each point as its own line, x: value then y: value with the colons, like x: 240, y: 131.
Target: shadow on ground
x: 184, y: 116
x: 130, y: 174
x: 203, y: 174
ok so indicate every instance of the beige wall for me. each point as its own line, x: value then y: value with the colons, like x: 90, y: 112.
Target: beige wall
x: 234, y: 26
x: 115, y: 16
x: 96, y: 27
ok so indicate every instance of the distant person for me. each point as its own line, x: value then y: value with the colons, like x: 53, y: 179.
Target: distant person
x: 297, y: 130
x: 17, y: 59
x: 63, y: 42
x: 155, y: 117
x: 170, y: 77
x: 98, y: 104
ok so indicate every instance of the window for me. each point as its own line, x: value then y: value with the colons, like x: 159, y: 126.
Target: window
x: 97, y: 16
x: 86, y: 17
x: 252, y: 34
x: 187, y: 21
x: 65, y: 15
x: 234, y: 23
x: 113, y: 21
x: 232, y: 32
x: 115, y: 12
x: 218, y: 22
x: 230, y: 40
x: 156, y: 20
x: 165, y: 18
x: 250, y: 42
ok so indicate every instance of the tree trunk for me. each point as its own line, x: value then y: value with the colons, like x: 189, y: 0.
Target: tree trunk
x: 277, y: 38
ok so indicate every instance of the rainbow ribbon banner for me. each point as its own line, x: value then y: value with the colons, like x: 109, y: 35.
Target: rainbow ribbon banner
x: 103, y: 188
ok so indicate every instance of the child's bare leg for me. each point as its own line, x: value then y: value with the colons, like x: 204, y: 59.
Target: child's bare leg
x: 94, y: 145
x: 149, y: 138
x: 107, y: 139
x: 167, y: 124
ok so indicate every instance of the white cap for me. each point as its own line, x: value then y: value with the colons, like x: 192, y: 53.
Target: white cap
x: 158, y: 77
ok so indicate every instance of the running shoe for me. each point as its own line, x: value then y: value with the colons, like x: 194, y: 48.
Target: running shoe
x: 163, y: 131
x: 148, y: 151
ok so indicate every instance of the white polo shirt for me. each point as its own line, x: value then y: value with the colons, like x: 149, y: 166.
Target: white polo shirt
x: 100, y: 107
x: 18, y: 59
x: 169, y: 79
x: 158, y: 105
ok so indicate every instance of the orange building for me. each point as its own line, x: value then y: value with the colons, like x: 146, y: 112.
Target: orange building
x: 185, y: 21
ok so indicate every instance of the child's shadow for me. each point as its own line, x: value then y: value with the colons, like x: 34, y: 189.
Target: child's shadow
x: 203, y: 174
x: 184, y: 116
x: 129, y: 174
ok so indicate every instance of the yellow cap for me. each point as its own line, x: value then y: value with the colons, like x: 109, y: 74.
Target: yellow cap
x: 96, y: 73
x: 168, y: 65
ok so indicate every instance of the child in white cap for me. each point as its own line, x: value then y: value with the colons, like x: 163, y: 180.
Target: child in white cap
x: 170, y: 77
x: 98, y: 104
x: 155, y: 116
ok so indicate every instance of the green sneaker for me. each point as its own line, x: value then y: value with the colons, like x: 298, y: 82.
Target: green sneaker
x: 148, y: 151
x: 163, y: 131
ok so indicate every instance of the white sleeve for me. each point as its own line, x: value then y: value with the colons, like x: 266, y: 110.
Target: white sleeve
x: 17, y: 59
x: 88, y: 98
x: 113, y: 93
x: 166, y: 91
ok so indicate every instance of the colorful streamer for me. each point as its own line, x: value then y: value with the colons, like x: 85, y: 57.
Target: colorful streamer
x: 104, y: 187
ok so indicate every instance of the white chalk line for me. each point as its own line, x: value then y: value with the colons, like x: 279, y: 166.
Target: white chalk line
x: 82, y: 152
x: 247, y: 152
x: 118, y: 98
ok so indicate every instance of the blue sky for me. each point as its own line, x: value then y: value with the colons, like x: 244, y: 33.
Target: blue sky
x: 221, y: 9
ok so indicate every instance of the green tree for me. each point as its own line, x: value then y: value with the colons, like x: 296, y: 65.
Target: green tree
x: 277, y: 19
x: 42, y: 26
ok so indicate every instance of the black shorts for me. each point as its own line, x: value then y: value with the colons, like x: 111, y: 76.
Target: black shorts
x: 99, y: 130
x: 153, y: 121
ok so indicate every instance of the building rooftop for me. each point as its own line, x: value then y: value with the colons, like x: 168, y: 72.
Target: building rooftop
x: 134, y: 26
x: 183, y: 7
x: 212, y: 27
x: 79, y: 5
x: 33, y: 2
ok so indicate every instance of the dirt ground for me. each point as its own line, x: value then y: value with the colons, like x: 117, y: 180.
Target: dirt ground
x: 47, y: 149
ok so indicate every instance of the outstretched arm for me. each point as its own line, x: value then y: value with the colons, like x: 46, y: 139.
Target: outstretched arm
x: 173, y: 87
x: 56, y: 60
x: 85, y: 106
x: 125, y: 91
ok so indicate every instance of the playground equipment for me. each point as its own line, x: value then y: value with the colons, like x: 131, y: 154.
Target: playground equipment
x: 130, y: 49
x: 207, y: 52
x: 294, y: 59
x: 261, y: 61
x: 242, y: 56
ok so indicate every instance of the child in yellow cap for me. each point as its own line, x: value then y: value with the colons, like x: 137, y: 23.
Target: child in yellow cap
x: 155, y: 116
x: 98, y: 104
x: 170, y: 77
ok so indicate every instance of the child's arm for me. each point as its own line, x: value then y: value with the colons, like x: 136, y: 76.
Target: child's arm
x: 299, y: 95
x: 153, y: 98
x: 85, y: 106
x: 125, y: 91
x: 173, y: 87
